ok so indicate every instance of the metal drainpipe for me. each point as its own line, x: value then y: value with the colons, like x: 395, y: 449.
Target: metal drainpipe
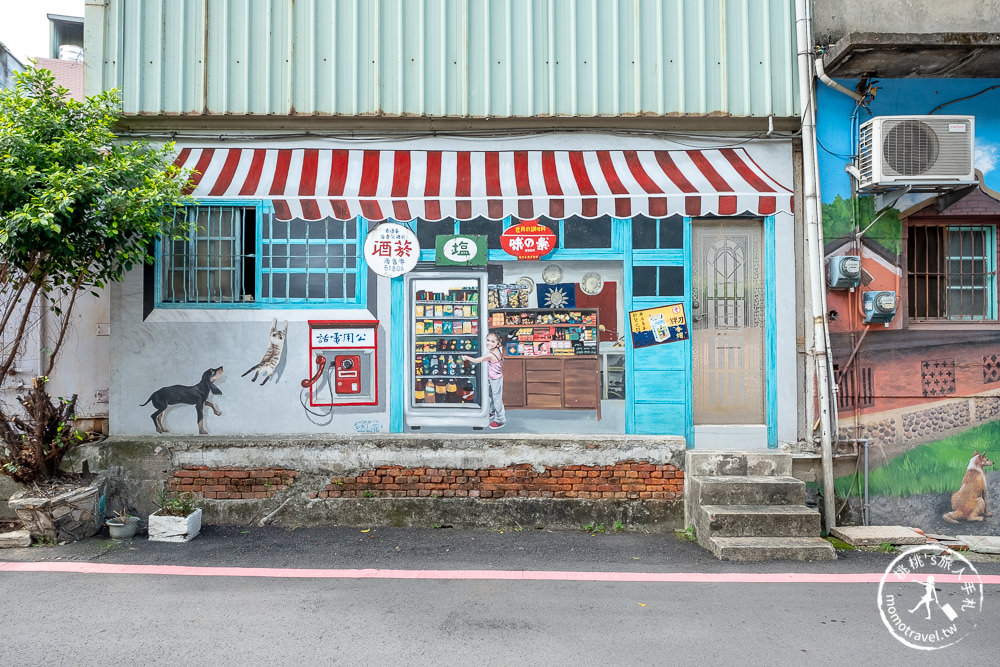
x: 814, y: 250
x: 868, y: 509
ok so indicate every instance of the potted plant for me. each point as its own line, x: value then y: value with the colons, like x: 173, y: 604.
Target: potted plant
x: 78, y: 209
x: 122, y: 525
x: 176, y: 520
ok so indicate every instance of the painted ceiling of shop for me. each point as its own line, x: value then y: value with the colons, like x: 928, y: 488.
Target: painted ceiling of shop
x: 447, y: 58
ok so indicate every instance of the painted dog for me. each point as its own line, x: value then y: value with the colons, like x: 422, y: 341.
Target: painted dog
x: 196, y: 395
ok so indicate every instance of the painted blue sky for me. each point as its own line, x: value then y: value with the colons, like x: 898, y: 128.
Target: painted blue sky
x: 897, y: 97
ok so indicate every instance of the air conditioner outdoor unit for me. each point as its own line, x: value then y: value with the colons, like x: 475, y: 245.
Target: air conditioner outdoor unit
x: 916, y: 151
x: 845, y: 271
x: 879, y: 307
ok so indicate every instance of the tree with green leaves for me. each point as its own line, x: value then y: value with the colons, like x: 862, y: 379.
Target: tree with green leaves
x: 78, y: 209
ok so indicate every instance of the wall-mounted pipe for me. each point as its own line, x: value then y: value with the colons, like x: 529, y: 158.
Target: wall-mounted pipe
x: 814, y: 253
x: 825, y: 78
x: 867, y: 508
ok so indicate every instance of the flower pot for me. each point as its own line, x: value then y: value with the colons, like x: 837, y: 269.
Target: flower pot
x: 174, y: 528
x: 73, y: 514
x: 123, y: 531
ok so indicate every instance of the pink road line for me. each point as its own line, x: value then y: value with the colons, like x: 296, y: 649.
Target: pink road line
x: 475, y: 575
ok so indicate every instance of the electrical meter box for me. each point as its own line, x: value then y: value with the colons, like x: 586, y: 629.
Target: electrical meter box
x: 879, y: 307
x: 844, y: 272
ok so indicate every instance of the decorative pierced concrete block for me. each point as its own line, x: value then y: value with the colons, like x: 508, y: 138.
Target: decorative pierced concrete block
x: 174, y: 528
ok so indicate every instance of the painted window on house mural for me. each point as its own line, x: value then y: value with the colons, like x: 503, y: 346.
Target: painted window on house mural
x: 299, y: 262
x: 951, y: 272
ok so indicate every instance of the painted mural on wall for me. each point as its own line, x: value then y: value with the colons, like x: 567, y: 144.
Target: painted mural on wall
x: 196, y: 395
x: 272, y: 356
x: 925, y: 388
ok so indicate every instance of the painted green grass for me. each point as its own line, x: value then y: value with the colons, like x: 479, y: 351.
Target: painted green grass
x: 937, y: 467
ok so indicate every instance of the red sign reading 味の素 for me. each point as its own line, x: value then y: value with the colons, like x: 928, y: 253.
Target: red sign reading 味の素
x: 528, y: 240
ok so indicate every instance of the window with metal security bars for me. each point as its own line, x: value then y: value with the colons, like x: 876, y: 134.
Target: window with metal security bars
x: 214, y: 263
x: 313, y: 261
x: 237, y: 255
x: 951, y: 272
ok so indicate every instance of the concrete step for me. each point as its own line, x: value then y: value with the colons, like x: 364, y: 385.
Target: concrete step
x: 771, y: 548
x: 748, y: 490
x: 757, y: 521
x: 722, y: 462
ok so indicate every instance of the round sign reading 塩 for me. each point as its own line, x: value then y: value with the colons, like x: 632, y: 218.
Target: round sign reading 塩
x: 391, y: 249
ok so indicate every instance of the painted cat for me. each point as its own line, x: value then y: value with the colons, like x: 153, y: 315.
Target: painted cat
x: 969, y: 503
x: 272, y: 356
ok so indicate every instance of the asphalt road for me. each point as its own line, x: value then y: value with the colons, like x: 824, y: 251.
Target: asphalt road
x: 152, y: 619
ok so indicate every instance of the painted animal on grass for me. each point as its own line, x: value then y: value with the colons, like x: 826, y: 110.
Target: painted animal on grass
x: 272, y: 356
x: 969, y: 503
x: 196, y: 395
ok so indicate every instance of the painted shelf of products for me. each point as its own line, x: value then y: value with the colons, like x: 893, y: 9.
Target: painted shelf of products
x: 446, y: 321
x: 550, y: 357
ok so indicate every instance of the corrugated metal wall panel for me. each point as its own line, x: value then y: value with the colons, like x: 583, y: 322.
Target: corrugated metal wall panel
x: 452, y: 58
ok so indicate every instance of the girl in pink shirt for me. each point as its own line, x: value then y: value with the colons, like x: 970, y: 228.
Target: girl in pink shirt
x: 494, y: 376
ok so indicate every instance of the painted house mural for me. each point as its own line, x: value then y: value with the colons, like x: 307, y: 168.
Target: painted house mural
x: 462, y: 285
x: 923, y: 388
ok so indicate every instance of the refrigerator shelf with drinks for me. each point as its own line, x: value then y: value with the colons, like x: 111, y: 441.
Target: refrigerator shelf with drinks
x: 445, y: 321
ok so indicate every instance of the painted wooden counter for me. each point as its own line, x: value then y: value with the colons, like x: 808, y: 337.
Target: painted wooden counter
x: 552, y: 383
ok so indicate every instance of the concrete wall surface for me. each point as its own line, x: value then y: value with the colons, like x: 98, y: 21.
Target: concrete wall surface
x: 139, y: 467
x: 832, y: 19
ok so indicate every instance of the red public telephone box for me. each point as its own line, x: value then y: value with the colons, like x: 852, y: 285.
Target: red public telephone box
x: 347, y: 374
x: 343, y: 368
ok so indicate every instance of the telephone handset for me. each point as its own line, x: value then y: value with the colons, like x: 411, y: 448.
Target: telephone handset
x: 320, y: 365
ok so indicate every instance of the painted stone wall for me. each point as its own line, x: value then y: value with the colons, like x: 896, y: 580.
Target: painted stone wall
x: 926, y: 396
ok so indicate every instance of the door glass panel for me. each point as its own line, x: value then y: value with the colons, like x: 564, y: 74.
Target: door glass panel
x: 728, y: 322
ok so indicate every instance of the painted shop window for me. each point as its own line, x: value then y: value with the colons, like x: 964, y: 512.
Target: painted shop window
x: 491, y: 229
x: 214, y: 263
x: 225, y: 261
x: 579, y: 232
x: 581, y: 236
x: 951, y: 272
x: 657, y: 234
x: 314, y: 261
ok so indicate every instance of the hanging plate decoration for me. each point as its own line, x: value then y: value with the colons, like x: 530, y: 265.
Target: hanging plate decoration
x: 552, y: 274
x: 591, y: 283
x: 527, y: 284
x: 391, y: 249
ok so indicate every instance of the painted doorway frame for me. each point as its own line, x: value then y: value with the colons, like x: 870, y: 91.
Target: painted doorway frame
x: 684, y: 258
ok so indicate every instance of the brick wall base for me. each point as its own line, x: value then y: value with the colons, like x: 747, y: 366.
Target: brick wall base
x: 626, y: 480
x: 231, y: 483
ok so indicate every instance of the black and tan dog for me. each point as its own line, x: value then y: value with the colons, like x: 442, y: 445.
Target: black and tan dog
x: 196, y: 395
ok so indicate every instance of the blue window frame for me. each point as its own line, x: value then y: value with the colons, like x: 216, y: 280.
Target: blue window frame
x: 237, y: 255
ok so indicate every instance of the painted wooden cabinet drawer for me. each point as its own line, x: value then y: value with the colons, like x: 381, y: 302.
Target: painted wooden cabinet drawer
x: 513, y: 383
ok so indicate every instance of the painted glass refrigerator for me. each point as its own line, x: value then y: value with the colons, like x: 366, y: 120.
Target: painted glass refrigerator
x: 446, y: 320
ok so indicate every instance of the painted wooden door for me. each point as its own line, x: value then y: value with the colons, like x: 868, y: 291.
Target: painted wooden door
x: 728, y: 322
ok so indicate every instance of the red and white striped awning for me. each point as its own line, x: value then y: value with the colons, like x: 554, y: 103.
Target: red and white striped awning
x: 315, y: 183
